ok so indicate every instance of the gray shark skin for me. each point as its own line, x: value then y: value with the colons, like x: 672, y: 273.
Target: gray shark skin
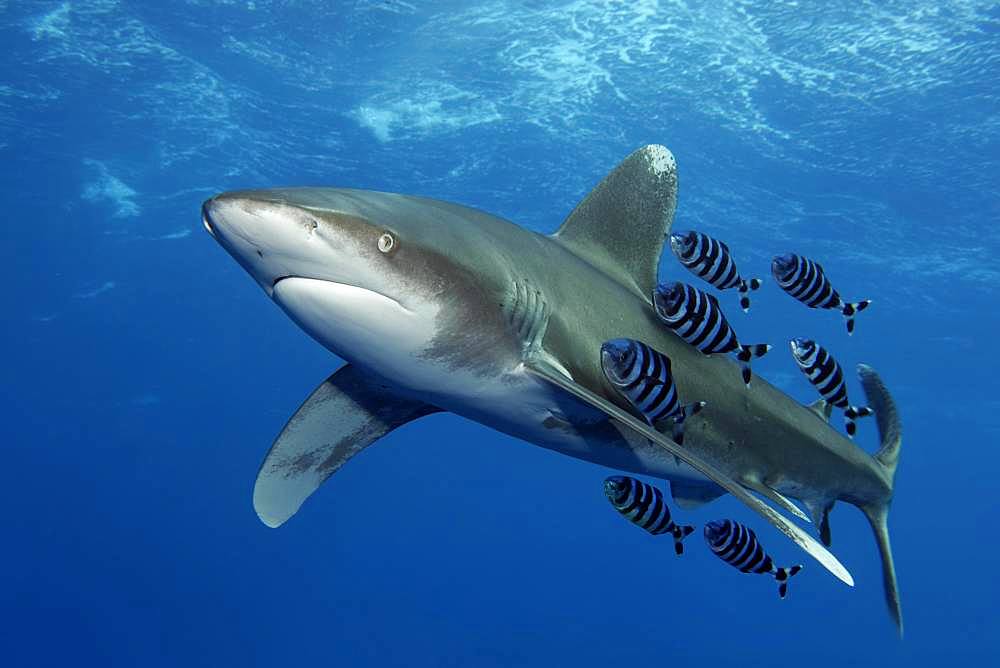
x: 439, y: 307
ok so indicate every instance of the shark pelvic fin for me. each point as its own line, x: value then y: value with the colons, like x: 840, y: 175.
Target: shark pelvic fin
x: 348, y: 412
x: 689, y: 496
x: 544, y: 371
x: 620, y: 226
x: 820, y: 513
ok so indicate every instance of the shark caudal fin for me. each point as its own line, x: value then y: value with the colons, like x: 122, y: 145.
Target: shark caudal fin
x: 891, y: 434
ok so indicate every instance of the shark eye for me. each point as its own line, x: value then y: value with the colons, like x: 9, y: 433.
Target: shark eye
x: 386, y: 243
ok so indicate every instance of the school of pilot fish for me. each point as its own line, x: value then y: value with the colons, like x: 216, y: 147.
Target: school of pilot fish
x: 642, y: 375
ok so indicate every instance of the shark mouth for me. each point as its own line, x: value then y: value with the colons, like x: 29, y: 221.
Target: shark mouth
x: 341, y: 287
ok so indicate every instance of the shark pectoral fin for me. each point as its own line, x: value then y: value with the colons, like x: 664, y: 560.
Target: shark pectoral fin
x: 777, y: 497
x: 822, y: 408
x: 690, y: 496
x: 348, y: 412
x: 620, y: 225
x: 796, y: 534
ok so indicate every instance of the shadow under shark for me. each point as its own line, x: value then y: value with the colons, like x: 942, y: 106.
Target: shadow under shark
x: 439, y: 307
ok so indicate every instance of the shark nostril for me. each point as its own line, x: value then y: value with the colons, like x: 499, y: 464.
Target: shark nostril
x: 260, y: 253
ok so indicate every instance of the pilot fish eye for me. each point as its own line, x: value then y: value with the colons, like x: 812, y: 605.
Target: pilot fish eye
x: 386, y: 243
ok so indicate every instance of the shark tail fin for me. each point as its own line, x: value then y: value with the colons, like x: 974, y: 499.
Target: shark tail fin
x: 891, y: 434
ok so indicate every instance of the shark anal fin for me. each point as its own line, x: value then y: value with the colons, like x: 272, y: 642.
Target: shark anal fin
x: 348, y: 412
x: 690, y: 496
x: 620, y: 226
x: 796, y: 534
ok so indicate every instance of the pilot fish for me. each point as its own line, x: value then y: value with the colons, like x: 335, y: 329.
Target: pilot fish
x: 805, y: 280
x: 826, y: 376
x: 698, y: 319
x: 642, y: 376
x: 643, y: 505
x: 737, y: 545
x: 711, y: 260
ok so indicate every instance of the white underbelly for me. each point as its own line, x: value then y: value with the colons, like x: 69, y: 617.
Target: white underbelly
x: 530, y: 409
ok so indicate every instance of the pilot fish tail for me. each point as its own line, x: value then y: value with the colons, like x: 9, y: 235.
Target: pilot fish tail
x: 642, y: 375
x: 710, y: 260
x: 737, y: 545
x: 805, y: 280
x: 697, y: 318
x: 643, y: 505
x: 826, y: 375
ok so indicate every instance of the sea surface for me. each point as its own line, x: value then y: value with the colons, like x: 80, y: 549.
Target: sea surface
x: 145, y: 374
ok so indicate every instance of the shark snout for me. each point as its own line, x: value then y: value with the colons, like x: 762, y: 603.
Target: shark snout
x: 271, y: 240
x: 206, y: 219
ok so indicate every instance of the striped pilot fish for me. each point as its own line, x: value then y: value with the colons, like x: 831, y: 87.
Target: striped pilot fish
x: 738, y: 546
x: 826, y: 376
x: 643, y: 506
x: 697, y: 318
x: 642, y: 376
x: 711, y: 260
x: 805, y: 280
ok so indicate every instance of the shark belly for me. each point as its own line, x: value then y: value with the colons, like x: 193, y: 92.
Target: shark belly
x: 508, y: 399
x: 521, y: 406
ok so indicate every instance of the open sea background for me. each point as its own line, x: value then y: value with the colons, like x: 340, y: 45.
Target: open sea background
x: 145, y: 374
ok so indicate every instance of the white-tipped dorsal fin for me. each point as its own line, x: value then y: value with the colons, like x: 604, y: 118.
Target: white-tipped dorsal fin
x: 822, y: 408
x: 620, y: 226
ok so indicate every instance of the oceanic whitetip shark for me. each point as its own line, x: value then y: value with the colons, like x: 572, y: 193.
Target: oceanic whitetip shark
x: 439, y: 307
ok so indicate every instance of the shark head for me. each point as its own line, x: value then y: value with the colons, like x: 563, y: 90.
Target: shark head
x: 381, y: 280
x: 683, y: 244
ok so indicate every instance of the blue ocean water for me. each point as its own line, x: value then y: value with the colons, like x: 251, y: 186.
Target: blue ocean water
x: 146, y: 374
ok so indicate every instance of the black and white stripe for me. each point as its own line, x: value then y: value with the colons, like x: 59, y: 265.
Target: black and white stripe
x: 642, y: 376
x: 697, y: 318
x: 805, y: 280
x: 711, y: 260
x: 826, y: 376
x: 737, y: 545
x: 643, y: 505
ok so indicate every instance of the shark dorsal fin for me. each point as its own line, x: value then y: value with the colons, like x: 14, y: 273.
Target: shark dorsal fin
x: 620, y: 226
